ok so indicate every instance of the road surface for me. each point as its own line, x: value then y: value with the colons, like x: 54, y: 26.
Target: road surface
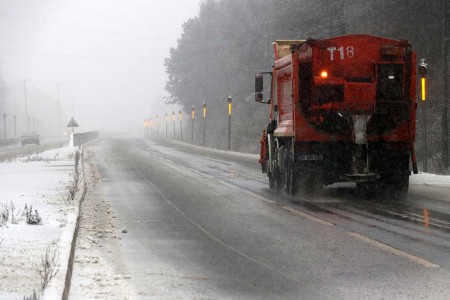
x: 168, y: 220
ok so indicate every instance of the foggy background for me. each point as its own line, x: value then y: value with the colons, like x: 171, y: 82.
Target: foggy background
x: 106, y: 55
x: 119, y: 62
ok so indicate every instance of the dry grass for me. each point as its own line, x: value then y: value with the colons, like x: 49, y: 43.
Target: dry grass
x: 50, y: 265
x: 8, y: 214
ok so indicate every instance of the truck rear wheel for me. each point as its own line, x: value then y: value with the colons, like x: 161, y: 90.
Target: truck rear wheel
x: 290, y: 175
x: 367, y: 189
x: 309, y: 183
x: 279, y: 180
x: 389, y: 187
x: 395, y: 186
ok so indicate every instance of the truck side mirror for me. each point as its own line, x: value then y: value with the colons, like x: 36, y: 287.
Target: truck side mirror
x: 259, y: 83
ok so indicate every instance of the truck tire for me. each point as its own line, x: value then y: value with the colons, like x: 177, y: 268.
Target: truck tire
x: 394, y: 186
x: 271, y: 180
x: 306, y: 183
x: 279, y: 180
x: 367, y: 190
x: 290, y: 175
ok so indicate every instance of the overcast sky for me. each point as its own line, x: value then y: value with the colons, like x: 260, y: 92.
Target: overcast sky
x: 107, y: 55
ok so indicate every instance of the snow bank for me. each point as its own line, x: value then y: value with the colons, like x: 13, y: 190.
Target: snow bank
x: 430, y: 186
x: 430, y: 179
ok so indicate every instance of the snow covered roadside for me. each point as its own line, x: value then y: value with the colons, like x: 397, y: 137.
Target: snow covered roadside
x: 32, y: 256
x: 431, y: 186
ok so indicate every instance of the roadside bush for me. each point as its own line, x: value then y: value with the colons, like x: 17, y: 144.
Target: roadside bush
x: 32, y: 218
x: 4, y: 214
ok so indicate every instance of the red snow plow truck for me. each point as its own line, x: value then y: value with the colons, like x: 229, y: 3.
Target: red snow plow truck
x: 341, y: 110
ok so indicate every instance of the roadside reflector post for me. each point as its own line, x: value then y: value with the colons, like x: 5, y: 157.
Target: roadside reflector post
x: 204, y: 122
x: 166, y: 125
x: 192, y: 122
x: 423, y: 72
x: 181, y: 125
x: 151, y: 127
x: 173, y: 120
x: 157, y: 126
x: 230, y: 109
x: 145, y: 128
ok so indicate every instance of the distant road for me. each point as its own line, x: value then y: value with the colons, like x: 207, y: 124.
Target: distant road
x: 204, y: 224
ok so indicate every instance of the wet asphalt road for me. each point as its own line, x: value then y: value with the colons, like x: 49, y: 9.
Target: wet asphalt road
x: 203, y: 224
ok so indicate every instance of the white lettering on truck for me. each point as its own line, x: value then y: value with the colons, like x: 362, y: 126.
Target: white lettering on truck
x: 350, y: 51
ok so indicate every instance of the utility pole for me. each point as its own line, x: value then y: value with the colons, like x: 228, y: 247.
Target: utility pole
x: 444, y: 51
x: 59, y: 110
x: 4, y: 123
x: 26, y: 103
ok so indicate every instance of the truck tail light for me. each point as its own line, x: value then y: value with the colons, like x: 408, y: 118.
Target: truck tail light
x: 324, y: 74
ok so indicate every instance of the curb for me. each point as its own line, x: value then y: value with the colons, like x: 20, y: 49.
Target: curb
x: 60, y: 285
x: 68, y: 278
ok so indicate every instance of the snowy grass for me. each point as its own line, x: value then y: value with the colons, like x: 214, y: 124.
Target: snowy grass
x: 33, y: 296
x: 9, y: 214
x: 36, y: 190
x: 50, y: 264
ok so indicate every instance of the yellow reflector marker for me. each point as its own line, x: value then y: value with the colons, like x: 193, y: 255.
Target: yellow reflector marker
x: 423, y: 89
x: 229, y: 109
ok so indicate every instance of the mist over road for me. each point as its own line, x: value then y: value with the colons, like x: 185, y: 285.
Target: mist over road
x: 204, y: 223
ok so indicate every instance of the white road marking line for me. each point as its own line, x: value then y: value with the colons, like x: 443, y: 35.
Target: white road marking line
x: 416, y: 259
x: 307, y: 216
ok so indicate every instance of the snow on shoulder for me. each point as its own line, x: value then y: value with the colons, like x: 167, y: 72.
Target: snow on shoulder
x: 430, y: 186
